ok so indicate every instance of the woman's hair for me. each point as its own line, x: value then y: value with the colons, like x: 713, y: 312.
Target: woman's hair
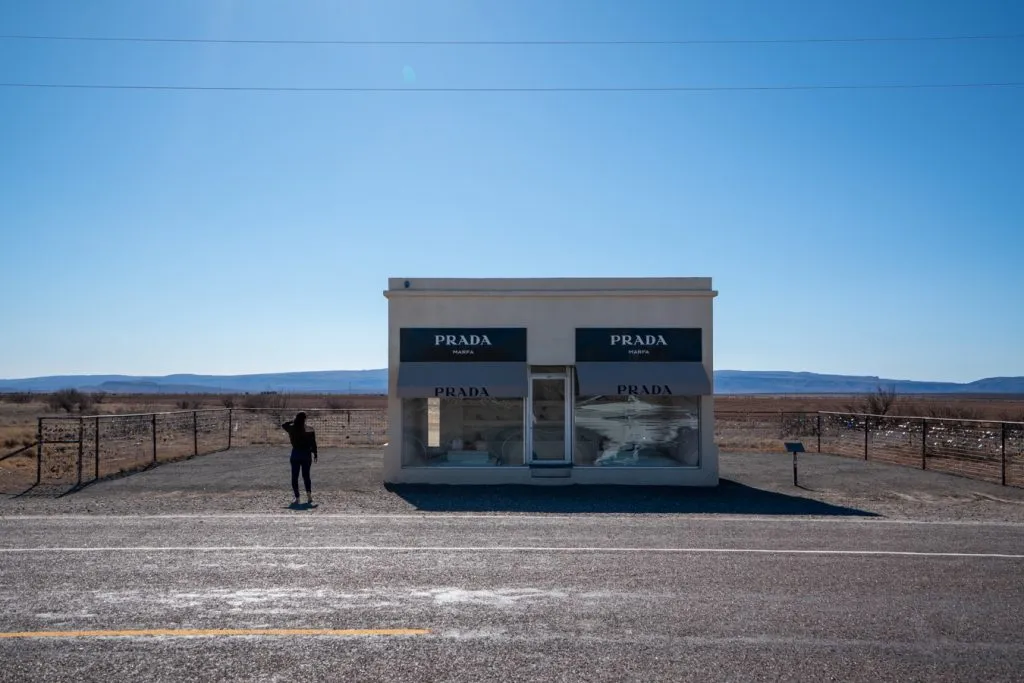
x: 300, y: 420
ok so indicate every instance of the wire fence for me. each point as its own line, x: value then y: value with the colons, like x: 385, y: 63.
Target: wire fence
x: 76, y: 450
x: 334, y: 427
x: 978, y: 449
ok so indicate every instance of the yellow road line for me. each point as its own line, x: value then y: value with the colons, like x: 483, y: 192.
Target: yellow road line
x: 219, y: 632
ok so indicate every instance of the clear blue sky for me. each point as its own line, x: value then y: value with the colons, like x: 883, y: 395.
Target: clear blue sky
x: 862, y: 232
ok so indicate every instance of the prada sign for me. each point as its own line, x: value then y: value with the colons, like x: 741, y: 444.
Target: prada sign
x: 461, y: 392
x: 643, y: 390
x: 462, y: 344
x: 643, y: 344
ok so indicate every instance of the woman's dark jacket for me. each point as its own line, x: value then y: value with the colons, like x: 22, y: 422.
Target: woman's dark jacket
x: 303, y: 440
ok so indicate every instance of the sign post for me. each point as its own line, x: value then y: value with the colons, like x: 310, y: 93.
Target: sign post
x: 794, y: 447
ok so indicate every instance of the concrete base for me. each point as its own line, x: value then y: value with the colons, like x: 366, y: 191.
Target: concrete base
x: 626, y: 476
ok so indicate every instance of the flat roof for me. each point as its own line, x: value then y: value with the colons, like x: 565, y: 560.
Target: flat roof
x: 552, y: 284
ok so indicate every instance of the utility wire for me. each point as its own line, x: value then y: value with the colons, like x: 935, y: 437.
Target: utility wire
x: 290, y: 89
x: 752, y: 41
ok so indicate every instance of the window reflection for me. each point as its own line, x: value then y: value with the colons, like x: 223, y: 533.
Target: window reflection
x: 456, y: 432
x: 635, y: 431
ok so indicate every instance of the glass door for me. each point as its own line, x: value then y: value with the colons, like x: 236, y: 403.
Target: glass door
x: 550, y: 426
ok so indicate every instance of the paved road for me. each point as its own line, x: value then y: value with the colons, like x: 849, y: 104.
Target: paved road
x: 513, y: 598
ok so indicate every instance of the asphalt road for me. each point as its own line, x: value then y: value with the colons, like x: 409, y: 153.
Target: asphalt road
x: 524, y: 597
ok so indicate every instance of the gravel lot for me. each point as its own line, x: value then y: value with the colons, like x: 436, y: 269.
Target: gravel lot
x: 851, y: 578
x: 257, y: 480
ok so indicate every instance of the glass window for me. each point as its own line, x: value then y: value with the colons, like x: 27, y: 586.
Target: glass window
x: 637, y: 431
x: 462, y: 432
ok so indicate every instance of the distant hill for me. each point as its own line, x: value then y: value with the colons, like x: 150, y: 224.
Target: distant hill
x: 329, y: 381
x: 376, y: 382
x: 759, y: 382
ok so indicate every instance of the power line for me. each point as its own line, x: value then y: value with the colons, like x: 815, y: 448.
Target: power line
x: 740, y: 41
x: 353, y: 89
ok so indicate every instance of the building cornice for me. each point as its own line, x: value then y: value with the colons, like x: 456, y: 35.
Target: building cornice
x: 550, y: 293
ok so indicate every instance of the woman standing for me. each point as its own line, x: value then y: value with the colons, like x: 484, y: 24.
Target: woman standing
x: 304, y: 454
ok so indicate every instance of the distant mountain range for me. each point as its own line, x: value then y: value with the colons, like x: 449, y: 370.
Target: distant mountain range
x: 324, y: 382
x: 758, y: 382
x: 376, y: 382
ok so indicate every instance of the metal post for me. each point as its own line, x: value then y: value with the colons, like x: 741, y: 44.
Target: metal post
x: 1002, y: 450
x: 195, y: 434
x: 782, y: 425
x: 39, y: 453
x: 81, y: 444
x: 867, y: 418
x: 819, y: 432
x: 924, y: 443
x: 154, y: 437
x: 97, y: 447
x: 231, y: 414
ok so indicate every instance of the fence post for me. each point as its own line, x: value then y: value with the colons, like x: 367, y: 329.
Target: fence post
x: 924, y: 443
x: 819, y: 432
x: 231, y: 414
x: 97, y: 447
x: 39, y: 453
x: 154, y: 438
x: 195, y: 433
x: 1002, y: 450
x: 782, y: 425
x: 81, y: 449
x: 867, y: 419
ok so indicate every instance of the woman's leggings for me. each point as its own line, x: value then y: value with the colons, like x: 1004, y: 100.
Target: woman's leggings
x: 301, y: 461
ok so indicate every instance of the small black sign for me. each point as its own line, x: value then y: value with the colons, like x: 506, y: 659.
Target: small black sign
x: 639, y: 344
x: 469, y: 344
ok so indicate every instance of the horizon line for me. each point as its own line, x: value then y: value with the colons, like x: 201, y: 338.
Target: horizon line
x: 144, y: 377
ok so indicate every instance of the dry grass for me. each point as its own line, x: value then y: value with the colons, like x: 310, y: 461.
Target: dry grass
x: 969, y: 407
x: 18, y: 424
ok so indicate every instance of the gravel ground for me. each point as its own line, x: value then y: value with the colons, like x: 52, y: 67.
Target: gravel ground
x: 256, y: 480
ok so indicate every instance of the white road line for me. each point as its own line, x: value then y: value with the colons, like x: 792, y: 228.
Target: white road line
x: 501, y: 549
x: 447, y: 517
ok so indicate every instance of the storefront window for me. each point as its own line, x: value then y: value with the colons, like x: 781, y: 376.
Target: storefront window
x: 637, y: 431
x: 462, y: 432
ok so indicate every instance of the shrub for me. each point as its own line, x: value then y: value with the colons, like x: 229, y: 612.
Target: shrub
x: 18, y: 397
x: 878, y: 402
x: 276, y: 401
x: 69, y: 400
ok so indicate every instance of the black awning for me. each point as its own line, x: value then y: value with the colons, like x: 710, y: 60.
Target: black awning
x: 643, y: 379
x: 462, y: 380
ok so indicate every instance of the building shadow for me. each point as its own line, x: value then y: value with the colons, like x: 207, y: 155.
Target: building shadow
x: 729, y: 497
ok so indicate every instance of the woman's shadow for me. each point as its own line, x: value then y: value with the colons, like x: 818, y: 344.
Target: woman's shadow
x: 302, y: 506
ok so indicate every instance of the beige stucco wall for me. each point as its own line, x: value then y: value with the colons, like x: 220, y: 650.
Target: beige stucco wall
x: 551, y: 309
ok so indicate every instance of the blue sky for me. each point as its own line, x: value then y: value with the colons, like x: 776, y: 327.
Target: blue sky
x: 861, y: 232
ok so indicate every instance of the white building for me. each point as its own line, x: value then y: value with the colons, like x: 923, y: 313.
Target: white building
x: 551, y: 381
